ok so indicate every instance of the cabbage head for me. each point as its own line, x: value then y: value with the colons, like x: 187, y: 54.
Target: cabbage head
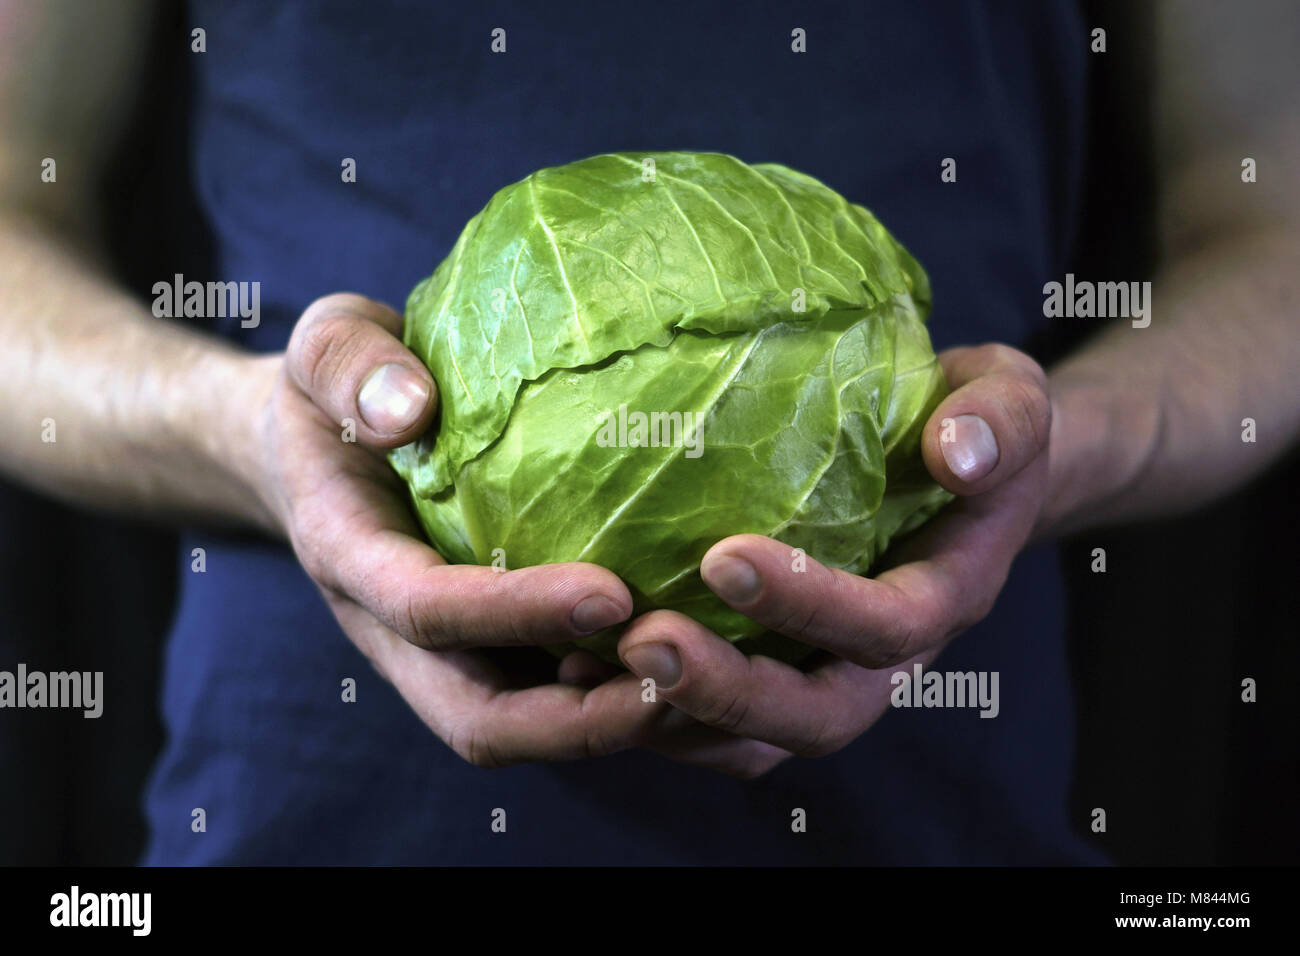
x: 640, y: 354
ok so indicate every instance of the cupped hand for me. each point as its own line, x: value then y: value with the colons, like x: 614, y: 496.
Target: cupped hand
x: 986, y: 442
x: 345, y: 391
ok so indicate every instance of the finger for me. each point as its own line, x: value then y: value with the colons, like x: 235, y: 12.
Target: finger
x: 558, y: 722
x: 551, y: 722
x: 703, y: 746
x: 355, y: 536
x: 345, y: 355
x: 463, y: 699
x: 438, y: 606
x: 757, y: 697
x: 994, y: 423
x: 584, y: 669
x: 873, y: 622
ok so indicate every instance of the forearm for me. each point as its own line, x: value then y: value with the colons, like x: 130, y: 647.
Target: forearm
x: 1149, y: 422
x: 104, y: 405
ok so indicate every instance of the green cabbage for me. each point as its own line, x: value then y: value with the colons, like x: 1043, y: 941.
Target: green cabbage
x: 777, y: 328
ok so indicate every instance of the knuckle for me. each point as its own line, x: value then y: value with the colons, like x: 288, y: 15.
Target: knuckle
x: 726, y: 712
x: 464, y: 613
x: 310, y: 340
x: 458, y: 739
x: 327, y: 348
x: 478, y: 750
x: 890, y: 646
x: 315, y: 558
x: 594, y: 743
x: 997, y: 354
x: 421, y: 623
x: 1028, y: 366
x: 311, y: 559
x: 826, y: 588
x: 826, y: 739
x: 412, y: 629
x: 1029, y: 412
x: 1012, y: 360
x: 798, y: 620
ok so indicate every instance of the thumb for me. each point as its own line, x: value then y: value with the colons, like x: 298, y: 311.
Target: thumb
x: 346, y: 357
x: 995, y: 422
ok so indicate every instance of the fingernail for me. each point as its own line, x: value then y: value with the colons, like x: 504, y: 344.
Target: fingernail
x: 594, y: 613
x: 659, y: 662
x: 391, y: 398
x: 973, y: 451
x: 733, y: 579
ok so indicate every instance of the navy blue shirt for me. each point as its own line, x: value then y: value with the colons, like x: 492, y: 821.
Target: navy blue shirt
x: 258, y: 735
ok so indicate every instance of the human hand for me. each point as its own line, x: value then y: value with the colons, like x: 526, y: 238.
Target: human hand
x: 344, y: 511
x: 986, y: 442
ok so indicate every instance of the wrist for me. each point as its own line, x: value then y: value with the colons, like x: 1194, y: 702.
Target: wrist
x: 249, y: 446
x: 231, y: 393
x: 1102, y: 440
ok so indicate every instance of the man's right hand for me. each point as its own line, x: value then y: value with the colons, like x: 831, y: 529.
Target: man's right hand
x: 415, y: 617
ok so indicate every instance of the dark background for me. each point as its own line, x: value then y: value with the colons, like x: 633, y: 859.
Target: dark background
x: 1187, y: 772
